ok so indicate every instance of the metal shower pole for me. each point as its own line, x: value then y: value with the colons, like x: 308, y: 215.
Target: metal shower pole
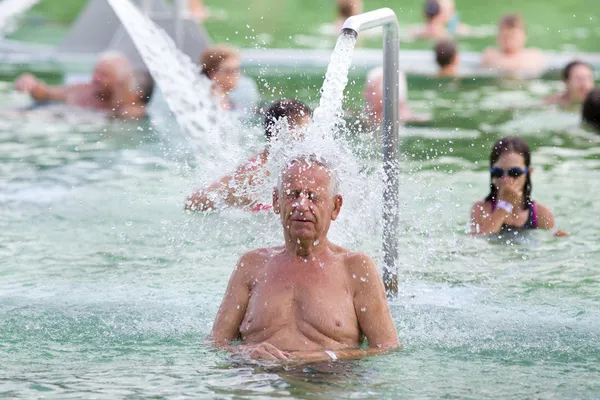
x: 390, y: 129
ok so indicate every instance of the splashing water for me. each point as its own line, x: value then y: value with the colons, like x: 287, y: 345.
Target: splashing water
x: 11, y: 9
x: 212, y: 132
x: 329, y: 113
x: 359, y: 220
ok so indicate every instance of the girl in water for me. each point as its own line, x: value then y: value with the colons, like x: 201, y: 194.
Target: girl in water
x: 509, y: 206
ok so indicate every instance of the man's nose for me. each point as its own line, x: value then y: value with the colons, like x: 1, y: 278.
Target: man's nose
x: 302, y: 203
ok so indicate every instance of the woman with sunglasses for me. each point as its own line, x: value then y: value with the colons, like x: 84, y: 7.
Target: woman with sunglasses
x: 509, y: 207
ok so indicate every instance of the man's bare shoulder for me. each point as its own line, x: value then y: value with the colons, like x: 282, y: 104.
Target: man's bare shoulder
x: 257, y: 258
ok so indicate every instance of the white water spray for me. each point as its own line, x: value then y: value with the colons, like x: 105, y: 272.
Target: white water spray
x: 212, y: 132
x: 11, y: 9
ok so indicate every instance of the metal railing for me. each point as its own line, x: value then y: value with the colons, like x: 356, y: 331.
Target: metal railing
x: 390, y: 132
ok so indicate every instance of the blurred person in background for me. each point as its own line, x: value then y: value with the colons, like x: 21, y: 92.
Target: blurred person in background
x: 578, y: 77
x: 373, y: 96
x: 232, y: 190
x: 111, y: 91
x: 511, y: 54
x: 441, y: 21
x: 347, y: 9
x: 197, y: 9
x: 590, y: 111
x: 446, y: 56
x: 221, y: 64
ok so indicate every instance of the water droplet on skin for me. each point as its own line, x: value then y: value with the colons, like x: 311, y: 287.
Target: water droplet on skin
x: 316, y: 243
x: 353, y: 276
x: 238, y: 306
x: 321, y: 264
x: 363, y: 279
x: 363, y: 309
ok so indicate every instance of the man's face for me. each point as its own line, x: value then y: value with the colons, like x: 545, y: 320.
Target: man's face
x: 580, y: 82
x: 511, y: 40
x: 105, y: 78
x: 305, y: 201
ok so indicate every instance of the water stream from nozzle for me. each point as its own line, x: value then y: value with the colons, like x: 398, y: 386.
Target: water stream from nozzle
x: 11, y: 9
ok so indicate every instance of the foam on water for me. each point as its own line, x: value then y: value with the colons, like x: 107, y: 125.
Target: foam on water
x: 12, y: 9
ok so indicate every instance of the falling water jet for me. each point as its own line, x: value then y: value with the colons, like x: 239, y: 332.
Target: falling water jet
x: 11, y: 9
x: 210, y: 130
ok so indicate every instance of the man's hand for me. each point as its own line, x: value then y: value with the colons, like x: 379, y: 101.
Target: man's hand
x: 511, y: 192
x: 26, y: 83
x: 263, y: 351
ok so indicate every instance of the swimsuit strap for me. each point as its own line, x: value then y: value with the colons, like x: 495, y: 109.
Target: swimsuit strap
x: 533, y: 215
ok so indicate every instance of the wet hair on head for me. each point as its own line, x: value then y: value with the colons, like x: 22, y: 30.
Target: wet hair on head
x: 312, y: 160
x: 291, y: 109
x: 512, y: 21
x: 445, y: 52
x: 590, y: 111
x: 212, y: 58
x: 144, y: 85
x: 511, y: 144
x: 566, y: 73
x: 432, y: 9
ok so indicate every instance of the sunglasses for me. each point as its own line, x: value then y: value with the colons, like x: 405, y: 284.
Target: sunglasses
x: 514, y: 172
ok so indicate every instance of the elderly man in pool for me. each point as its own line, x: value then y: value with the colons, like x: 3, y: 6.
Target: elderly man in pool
x: 111, y: 91
x: 308, y: 300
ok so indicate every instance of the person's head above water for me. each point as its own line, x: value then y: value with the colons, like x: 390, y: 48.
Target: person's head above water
x: 221, y: 64
x: 348, y: 8
x: 578, y: 77
x: 511, y: 34
x: 144, y: 86
x: 591, y: 109
x: 373, y: 93
x: 291, y: 111
x: 446, y: 54
x: 512, y: 156
x: 440, y: 11
x: 112, y: 73
x: 307, y: 199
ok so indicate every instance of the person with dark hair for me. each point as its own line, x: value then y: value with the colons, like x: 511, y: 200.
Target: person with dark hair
x: 441, y: 20
x: 578, y: 77
x: 221, y: 64
x: 511, y: 54
x: 144, y: 86
x: 231, y: 190
x: 590, y: 111
x: 509, y: 206
x: 347, y: 9
x: 446, y: 56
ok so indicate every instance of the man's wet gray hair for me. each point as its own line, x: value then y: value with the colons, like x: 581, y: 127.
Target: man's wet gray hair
x: 311, y: 160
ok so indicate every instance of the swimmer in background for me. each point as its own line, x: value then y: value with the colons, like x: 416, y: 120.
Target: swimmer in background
x: 590, y: 112
x: 232, y: 189
x: 373, y: 96
x: 112, y: 89
x: 578, y: 77
x: 347, y: 9
x: 511, y: 54
x: 446, y: 56
x: 442, y: 21
x: 308, y: 300
x: 509, y: 207
x: 221, y: 64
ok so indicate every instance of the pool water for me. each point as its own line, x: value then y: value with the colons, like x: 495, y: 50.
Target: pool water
x: 107, y: 288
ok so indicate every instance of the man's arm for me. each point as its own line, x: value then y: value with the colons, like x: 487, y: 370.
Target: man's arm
x: 230, y: 190
x: 226, y: 327
x: 39, y: 91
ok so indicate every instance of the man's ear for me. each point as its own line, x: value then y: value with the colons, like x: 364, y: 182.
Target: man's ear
x: 337, y: 206
x: 275, y: 200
